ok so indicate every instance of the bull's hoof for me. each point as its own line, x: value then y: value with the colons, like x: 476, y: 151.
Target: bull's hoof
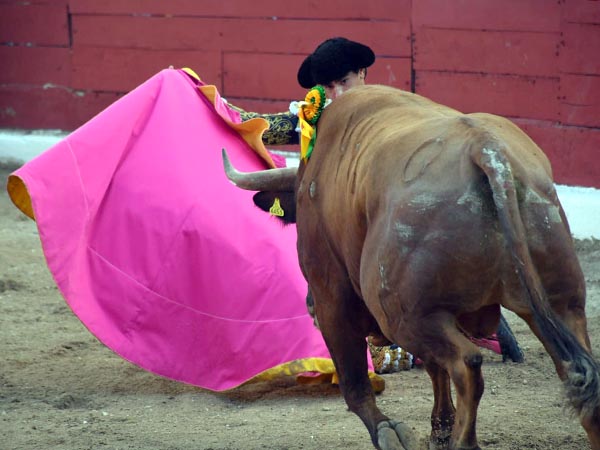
x: 440, y: 440
x: 392, y: 435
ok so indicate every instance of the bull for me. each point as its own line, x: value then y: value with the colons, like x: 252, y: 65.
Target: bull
x: 416, y: 223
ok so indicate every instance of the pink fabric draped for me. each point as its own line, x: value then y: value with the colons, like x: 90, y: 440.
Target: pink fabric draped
x: 157, y: 253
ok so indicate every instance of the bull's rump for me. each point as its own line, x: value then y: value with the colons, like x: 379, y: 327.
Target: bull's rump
x: 400, y: 200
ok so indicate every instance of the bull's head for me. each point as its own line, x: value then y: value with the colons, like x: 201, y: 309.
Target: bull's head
x: 276, y: 188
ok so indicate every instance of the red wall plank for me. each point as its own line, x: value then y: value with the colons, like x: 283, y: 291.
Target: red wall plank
x: 517, y: 15
x: 580, y: 100
x: 249, y: 35
x: 261, y: 76
x: 512, y: 96
x: 61, y: 3
x: 394, y: 72
x: 331, y: 9
x: 549, y: 136
x: 581, y: 51
x: 26, y: 23
x: 35, y: 65
x: 84, y: 107
x: 582, y: 144
x: 572, y: 151
x: 581, y: 11
x: 38, y: 108
x: 120, y: 70
x: 508, y: 52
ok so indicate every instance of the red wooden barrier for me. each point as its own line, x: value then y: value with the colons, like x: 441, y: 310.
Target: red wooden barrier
x: 331, y: 9
x: 573, y: 151
x: 580, y: 100
x: 34, y: 24
x: 261, y: 75
x: 583, y: 168
x: 501, y: 52
x: 36, y: 66
x: 396, y: 72
x: 581, y: 11
x: 50, y: 107
x: 121, y: 70
x: 513, y: 15
x: 581, y: 48
x: 506, y: 95
x: 534, y: 61
x: 234, y: 34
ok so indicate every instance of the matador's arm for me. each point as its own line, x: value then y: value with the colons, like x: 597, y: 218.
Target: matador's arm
x: 282, y: 126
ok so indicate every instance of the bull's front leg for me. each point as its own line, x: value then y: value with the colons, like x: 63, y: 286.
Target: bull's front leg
x: 343, y: 321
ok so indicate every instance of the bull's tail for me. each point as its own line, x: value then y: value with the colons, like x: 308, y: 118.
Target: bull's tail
x: 582, y: 380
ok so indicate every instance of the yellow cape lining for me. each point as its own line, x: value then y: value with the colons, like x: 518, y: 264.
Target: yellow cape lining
x: 323, y: 366
x: 251, y: 130
x: 17, y: 192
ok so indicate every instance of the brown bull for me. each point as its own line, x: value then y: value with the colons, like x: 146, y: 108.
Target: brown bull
x: 417, y: 222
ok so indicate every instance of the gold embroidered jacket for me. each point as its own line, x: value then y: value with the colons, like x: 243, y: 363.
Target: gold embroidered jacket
x: 282, y: 126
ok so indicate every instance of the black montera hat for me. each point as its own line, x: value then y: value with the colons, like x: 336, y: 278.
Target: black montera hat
x: 333, y: 59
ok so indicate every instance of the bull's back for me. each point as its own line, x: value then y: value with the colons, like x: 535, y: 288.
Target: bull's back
x: 379, y: 147
x: 394, y: 167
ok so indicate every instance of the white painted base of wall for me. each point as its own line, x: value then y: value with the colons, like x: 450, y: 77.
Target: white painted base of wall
x: 25, y: 145
x: 581, y: 204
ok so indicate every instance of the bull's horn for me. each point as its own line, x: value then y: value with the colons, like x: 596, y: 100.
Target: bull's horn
x: 263, y: 180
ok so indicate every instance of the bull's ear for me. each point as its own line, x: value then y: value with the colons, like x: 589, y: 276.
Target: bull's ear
x: 279, y: 204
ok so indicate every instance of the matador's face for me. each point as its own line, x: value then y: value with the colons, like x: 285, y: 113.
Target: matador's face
x: 337, y: 87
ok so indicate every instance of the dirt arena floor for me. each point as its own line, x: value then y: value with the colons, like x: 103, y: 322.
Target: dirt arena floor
x: 61, y: 389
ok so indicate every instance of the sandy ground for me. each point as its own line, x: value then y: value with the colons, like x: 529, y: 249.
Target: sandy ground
x: 61, y: 389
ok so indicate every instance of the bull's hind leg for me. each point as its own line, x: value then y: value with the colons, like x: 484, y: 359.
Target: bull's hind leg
x: 344, y: 323
x: 446, y: 351
x: 442, y: 416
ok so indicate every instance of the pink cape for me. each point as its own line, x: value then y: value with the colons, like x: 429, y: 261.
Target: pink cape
x: 158, y: 254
